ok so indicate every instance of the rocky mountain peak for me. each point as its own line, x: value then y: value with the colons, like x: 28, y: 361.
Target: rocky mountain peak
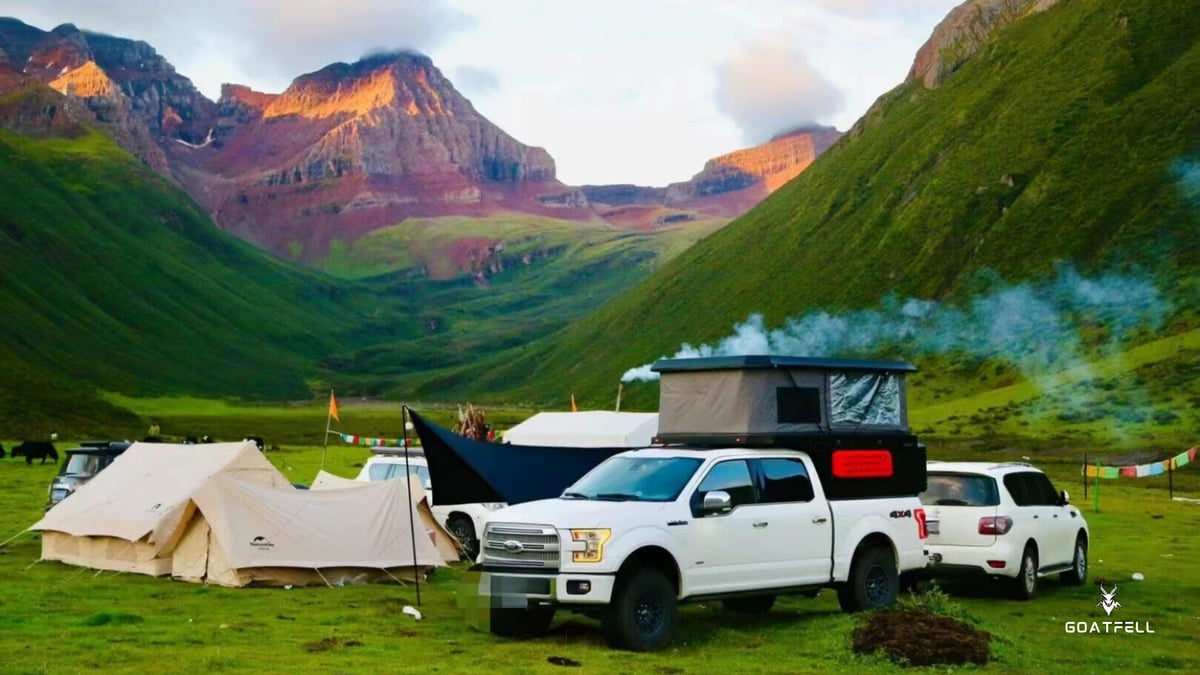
x: 964, y: 30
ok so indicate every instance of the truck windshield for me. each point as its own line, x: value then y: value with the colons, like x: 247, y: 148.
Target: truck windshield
x: 647, y: 479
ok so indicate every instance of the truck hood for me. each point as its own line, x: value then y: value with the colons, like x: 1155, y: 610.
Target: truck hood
x: 568, y: 513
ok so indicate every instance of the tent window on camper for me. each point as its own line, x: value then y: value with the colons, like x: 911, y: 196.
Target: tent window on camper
x: 798, y: 405
x: 864, y: 398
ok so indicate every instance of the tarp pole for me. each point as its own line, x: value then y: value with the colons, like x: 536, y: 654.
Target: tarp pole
x: 620, y: 387
x: 412, y: 528
x: 1171, y: 478
x: 1097, y: 506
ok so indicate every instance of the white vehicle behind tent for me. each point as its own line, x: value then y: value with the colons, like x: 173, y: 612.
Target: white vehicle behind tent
x: 586, y: 429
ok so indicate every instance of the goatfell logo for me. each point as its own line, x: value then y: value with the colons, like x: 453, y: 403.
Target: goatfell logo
x: 1108, y: 602
x: 261, y: 542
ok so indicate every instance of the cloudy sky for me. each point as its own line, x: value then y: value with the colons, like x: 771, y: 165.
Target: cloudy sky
x: 620, y: 91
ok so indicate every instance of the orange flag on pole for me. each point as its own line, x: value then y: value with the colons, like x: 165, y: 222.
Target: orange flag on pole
x: 333, y: 406
x: 573, y: 406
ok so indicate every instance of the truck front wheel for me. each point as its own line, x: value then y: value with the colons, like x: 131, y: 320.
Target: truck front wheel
x: 507, y: 622
x: 873, y: 581
x: 641, y: 616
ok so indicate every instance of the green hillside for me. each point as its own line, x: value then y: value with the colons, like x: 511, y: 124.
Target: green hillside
x: 113, y: 279
x: 548, y: 273
x: 1066, y: 149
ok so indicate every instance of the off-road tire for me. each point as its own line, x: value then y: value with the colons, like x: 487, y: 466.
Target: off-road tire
x: 874, y: 581
x: 1024, y: 587
x: 520, y: 623
x: 464, y: 531
x: 755, y: 604
x: 641, y: 615
x: 1077, y: 575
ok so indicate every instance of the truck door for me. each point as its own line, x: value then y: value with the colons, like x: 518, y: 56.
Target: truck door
x: 725, y: 551
x: 797, y: 521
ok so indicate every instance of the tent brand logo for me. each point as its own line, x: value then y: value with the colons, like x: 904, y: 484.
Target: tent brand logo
x: 261, y: 542
x: 1109, y: 602
x: 513, y: 546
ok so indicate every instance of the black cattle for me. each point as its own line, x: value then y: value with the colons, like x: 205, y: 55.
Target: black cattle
x: 258, y: 441
x: 36, y: 450
x: 1, y: 451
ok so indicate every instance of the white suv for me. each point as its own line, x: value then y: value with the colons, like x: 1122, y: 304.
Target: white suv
x: 464, y: 521
x: 1003, y: 520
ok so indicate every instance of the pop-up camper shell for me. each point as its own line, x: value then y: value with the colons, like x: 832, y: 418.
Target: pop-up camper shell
x: 850, y: 416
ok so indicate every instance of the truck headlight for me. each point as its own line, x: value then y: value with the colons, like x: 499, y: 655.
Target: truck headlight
x: 593, y: 544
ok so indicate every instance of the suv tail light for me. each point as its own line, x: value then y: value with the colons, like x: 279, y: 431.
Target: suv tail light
x: 995, y: 525
x: 922, y: 531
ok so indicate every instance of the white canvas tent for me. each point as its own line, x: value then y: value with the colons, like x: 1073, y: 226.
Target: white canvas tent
x: 423, y: 516
x: 238, y: 533
x: 586, y: 429
x: 222, y: 513
x: 121, y: 519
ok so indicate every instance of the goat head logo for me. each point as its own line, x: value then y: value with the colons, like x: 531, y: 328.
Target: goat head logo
x: 1109, y: 603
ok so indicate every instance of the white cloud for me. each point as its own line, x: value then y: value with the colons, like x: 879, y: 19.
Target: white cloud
x: 768, y: 88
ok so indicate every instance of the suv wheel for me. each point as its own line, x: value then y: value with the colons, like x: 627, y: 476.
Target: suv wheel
x: 642, y: 613
x: 873, y: 581
x: 1025, y: 585
x: 530, y: 622
x: 464, y: 531
x: 1079, y: 565
x: 757, y: 604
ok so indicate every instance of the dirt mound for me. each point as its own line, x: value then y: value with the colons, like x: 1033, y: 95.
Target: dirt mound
x: 918, y: 637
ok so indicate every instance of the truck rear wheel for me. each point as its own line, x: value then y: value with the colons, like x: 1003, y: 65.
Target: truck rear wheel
x: 641, y: 616
x: 873, y: 581
x: 508, y: 622
x: 757, y: 604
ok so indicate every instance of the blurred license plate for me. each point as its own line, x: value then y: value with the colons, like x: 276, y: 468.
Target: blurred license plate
x: 933, y: 527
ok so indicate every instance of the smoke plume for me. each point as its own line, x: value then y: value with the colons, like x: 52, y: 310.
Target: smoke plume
x: 1036, y: 328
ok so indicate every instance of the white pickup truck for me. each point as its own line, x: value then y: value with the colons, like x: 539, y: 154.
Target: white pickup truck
x: 650, y: 528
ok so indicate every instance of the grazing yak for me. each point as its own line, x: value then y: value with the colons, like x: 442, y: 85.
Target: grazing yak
x: 1, y: 451
x: 35, y: 450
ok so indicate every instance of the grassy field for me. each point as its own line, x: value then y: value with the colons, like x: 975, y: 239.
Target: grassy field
x: 61, y: 619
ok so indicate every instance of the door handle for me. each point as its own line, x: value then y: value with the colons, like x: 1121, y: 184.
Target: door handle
x: 761, y: 523
x: 819, y: 519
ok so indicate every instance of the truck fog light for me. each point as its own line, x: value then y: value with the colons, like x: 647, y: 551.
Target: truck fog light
x: 579, y: 587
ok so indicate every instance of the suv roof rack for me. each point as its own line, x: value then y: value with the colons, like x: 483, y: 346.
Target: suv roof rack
x: 1001, y: 465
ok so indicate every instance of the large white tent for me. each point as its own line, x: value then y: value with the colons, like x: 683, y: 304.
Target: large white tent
x: 586, y: 429
x: 121, y: 519
x: 221, y: 513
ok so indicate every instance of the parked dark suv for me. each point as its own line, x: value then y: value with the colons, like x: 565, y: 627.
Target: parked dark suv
x: 80, y: 465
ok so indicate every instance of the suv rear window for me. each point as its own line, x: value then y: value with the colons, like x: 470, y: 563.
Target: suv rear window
x: 957, y: 489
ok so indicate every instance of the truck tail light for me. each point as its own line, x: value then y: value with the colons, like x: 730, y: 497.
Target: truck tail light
x: 995, y: 525
x: 922, y: 530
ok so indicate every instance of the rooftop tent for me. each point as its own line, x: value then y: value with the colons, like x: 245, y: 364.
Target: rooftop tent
x: 586, y: 429
x: 744, y: 397
x: 445, y: 542
x: 238, y: 533
x: 120, y: 519
x: 466, y: 471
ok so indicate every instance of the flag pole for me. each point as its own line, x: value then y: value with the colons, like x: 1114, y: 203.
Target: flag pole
x: 620, y: 386
x: 328, y: 421
x: 412, y: 528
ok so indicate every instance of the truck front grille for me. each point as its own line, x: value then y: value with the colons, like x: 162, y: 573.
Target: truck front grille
x: 520, y: 545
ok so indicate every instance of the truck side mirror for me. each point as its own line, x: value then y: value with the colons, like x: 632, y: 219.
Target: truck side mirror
x: 717, y: 501
x: 1064, y: 498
